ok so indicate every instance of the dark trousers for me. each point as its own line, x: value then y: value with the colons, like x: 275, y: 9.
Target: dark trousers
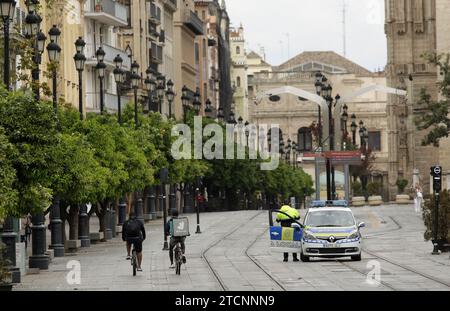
x: 172, y: 243
x: 286, y: 256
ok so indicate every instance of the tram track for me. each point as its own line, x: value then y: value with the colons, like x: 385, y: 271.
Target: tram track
x: 216, y: 274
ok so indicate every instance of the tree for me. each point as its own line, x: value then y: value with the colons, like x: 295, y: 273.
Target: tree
x: 8, y: 195
x: 31, y: 128
x: 435, y: 115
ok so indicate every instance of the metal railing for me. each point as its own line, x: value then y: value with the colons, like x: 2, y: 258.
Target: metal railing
x: 110, y: 53
x: 110, y: 7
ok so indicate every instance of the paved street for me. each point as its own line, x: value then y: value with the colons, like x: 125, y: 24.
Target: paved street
x: 232, y: 254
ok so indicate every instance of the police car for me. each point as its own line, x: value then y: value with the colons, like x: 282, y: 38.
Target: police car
x: 331, y: 231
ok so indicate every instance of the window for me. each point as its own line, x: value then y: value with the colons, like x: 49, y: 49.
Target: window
x: 238, y: 50
x: 238, y: 81
x: 203, y: 15
x: 304, y: 139
x: 375, y: 141
x: 197, y: 54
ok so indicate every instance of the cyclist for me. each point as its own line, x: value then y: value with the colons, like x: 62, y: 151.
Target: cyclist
x: 285, y: 221
x: 174, y: 240
x: 133, y: 232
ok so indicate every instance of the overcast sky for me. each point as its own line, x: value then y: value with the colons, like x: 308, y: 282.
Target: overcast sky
x: 313, y: 25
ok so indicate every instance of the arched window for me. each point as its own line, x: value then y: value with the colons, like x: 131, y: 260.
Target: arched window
x: 304, y: 139
x: 238, y: 50
x: 238, y: 81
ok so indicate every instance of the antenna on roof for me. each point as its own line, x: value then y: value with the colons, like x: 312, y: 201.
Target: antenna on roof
x: 344, y: 27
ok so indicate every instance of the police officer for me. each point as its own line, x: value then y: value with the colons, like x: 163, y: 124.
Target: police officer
x: 287, y: 221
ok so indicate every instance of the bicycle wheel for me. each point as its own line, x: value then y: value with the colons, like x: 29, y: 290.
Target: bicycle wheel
x: 134, y: 262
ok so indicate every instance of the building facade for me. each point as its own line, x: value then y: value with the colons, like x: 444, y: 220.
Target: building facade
x: 295, y: 115
x: 413, y: 28
x: 239, y: 73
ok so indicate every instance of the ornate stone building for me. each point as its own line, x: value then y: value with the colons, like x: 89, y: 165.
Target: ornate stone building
x: 413, y: 27
x: 295, y: 115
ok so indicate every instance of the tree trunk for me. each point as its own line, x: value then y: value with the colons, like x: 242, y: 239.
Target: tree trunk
x: 73, y: 222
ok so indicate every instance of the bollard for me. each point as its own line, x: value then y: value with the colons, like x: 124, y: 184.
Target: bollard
x: 122, y: 211
x: 56, y: 229
x: 39, y: 259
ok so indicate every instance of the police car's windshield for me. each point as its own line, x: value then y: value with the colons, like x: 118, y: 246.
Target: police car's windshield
x: 330, y: 219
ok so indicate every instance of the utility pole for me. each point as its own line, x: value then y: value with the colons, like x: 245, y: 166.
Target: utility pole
x: 344, y: 27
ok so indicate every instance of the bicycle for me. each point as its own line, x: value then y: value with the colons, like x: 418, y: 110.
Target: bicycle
x: 178, y: 258
x: 134, y: 260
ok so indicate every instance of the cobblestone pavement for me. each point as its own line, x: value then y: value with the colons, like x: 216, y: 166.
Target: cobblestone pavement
x: 232, y: 253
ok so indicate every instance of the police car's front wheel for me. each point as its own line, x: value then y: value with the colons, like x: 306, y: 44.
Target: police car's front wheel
x: 304, y: 258
x: 356, y: 258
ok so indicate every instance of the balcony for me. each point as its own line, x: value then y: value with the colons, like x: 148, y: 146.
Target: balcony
x: 157, y: 53
x: 108, y: 12
x: 110, y: 54
x: 155, y: 14
x: 171, y: 4
x: 111, y: 102
x: 193, y: 22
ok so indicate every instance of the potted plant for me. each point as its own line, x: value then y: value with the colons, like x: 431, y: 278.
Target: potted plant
x: 401, y: 197
x: 358, y: 195
x: 374, y: 192
x: 5, y: 274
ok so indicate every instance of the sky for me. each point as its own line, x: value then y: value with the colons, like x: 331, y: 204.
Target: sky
x: 288, y: 27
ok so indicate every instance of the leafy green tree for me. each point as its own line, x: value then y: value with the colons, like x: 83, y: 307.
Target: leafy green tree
x: 435, y: 115
x: 31, y: 128
x: 8, y: 194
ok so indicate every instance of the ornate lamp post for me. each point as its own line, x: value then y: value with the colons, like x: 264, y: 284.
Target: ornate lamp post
x: 197, y: 102
x: 54, y: 53
x: 101, y: 66
x: 80, y: 60
x: 7, y: 10
x: 354, y: 127
x: 232, y: 119
x: 208, y: 108
x: 170, y: 94
x: 220, y: 115
x: 160, y: 90
x: 247, y: 132
x: 344, y: 118
x: 135, y: 81
x: 151, y: 85
x: 197, y: 202
x: 32, y: 29
x: 118, y: 78
x: 186, y: 102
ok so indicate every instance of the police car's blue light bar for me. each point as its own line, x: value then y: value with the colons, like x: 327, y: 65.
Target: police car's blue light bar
x: 335, y: 203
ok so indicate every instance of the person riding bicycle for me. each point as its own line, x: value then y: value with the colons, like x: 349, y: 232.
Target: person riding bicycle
x: 133, y: 232
x: 286, y: 221
x: 174, y: 240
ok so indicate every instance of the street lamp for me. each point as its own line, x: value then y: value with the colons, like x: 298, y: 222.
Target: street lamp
x: 197, y: 103
x: 151, y: 85
x: 247, y: 132
x: 135, y: 80
x: 160, y: 89
x: 208, y: 108
x: 345, y: 119
x: 354, y: 127
x: 80, y: 60
x: 220, y: 115
x: 185, y: 101
x: 7, y: 10
x: 118, y: 78
x: 232, y: 119
x: 54, y: 34
x: 170, y: 94
x: 101, y: 67
x: 54, y: 53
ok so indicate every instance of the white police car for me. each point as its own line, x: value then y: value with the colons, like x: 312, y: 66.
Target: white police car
x: 330, y: 232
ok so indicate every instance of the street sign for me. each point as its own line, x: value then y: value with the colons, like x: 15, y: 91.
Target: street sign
x: 336, y: 157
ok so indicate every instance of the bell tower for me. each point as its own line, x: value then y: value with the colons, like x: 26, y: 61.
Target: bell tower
x: 410, y: 28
